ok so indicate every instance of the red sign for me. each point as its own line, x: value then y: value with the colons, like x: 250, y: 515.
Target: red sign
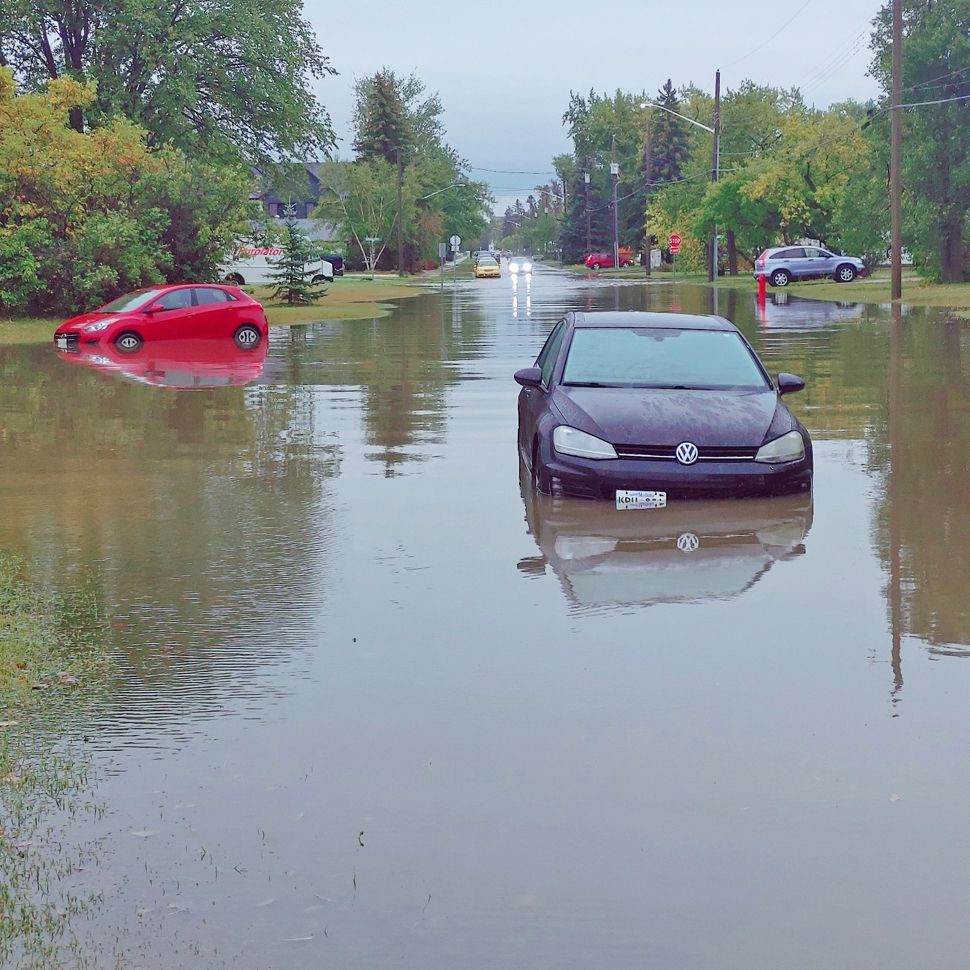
x: 674, y: 244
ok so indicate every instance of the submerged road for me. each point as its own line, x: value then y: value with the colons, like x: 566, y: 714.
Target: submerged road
x: 376, y: 705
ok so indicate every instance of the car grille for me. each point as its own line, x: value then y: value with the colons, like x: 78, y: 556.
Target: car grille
x: 668, y: 453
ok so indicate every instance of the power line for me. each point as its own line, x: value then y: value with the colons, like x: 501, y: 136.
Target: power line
x: 934, y: 80
x: 772, y: 37
x: 505, y: 171
x: 919, y: 104
x: 834, y: 65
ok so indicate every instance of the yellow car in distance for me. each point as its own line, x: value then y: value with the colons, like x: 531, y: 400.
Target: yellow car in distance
x: 487, y: 266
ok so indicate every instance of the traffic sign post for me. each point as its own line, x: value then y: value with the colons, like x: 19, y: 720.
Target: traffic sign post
x: 673, y: 244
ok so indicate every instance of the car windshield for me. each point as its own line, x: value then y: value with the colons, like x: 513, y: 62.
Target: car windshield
x: 487, y: 261
x: 128, y: 302
x: 666, y: 358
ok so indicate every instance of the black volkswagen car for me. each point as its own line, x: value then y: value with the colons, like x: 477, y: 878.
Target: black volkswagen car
x: 635, y: 407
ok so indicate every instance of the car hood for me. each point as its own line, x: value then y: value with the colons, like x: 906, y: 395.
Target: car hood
x: 653, y: 416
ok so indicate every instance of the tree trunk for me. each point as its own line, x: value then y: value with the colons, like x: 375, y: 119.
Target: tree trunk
x: 951, y: 252
x: 732, y: 248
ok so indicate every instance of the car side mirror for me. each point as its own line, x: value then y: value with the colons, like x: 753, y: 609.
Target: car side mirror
x: 789, y: 383
x: 529, y: 377
x: 151, y: 309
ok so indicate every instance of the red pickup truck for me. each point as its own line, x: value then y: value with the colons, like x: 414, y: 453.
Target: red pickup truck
x: 605, y: 260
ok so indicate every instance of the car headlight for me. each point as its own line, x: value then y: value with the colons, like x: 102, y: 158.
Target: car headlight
x: 789, y: 447
x: 527, y: 267
x: 97, y: 327
x: 513, y: 267
x: 571, y: 441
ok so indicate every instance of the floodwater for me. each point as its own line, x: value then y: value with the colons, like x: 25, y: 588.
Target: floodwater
x: 375, y: 705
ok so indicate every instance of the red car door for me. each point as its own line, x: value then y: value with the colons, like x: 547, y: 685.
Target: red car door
x: 171, y: 315
x: 215, y: 314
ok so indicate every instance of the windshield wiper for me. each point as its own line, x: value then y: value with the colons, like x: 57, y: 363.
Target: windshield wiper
x: 587, y: 384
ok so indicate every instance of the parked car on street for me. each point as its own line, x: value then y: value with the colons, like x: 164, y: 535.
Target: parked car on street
x: 605, y: 260
x: 634, y: 407
x: 172, y: 312
x: 785, y: 264
x: 254, y: 266
x: 487, y: 266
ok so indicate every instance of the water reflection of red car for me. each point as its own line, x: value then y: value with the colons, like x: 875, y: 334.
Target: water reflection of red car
x: 181, y: 364
x: 169, y: 313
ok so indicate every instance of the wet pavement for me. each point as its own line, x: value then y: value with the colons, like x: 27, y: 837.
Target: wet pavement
x: 375, y: 704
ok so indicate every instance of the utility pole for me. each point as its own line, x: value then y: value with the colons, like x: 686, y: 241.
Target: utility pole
x: 588, y: 245
x: 400, y: 212
x: 896, y: 155
x: 715, y: 170
x: 647, y: 159
x: 615, y: 177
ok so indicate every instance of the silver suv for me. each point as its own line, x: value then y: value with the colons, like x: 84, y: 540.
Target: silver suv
x: 786, y: 264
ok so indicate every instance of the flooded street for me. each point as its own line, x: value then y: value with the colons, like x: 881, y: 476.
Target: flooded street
x: 376, y: 704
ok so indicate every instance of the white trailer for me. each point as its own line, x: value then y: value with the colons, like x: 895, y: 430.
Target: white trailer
x: 253, y: 266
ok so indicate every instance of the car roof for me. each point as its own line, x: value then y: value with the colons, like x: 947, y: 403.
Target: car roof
x: 648, y: 320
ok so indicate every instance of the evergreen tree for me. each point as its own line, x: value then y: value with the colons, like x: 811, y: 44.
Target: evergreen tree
x: 293, y: 280
x: 381, y: 124
x: 669, y: 140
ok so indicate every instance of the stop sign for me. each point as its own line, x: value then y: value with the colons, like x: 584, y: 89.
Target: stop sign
x: 674, y: 244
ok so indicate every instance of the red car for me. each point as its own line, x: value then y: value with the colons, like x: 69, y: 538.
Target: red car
x: 605, y: 260
x: 181, y: 364
x: 169, y: 313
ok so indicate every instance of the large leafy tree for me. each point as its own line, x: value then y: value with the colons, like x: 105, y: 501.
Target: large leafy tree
x: 603, y: 128
x: 936, y: 147
x: 398, y: 128
x: 226, y: 76
x: 85, y: 216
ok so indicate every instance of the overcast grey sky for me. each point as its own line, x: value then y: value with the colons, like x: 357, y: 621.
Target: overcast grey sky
x: 504, y: 69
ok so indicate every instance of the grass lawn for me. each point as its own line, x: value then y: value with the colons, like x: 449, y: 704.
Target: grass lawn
x: 354, y: 297
x: 27, y: 330
x: 872, y: 289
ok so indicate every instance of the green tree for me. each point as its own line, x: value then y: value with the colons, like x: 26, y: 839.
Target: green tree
x: 232, y: 77
x: 86, y: 216
x: 669, y: 138
x: 398, y: 124
x: 292, y: 278
x: 936, y: 147
x: 602, y: 128
x: 362, y: 201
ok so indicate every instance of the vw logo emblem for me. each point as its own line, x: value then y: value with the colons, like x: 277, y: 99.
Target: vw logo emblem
x: 686, y: 452
x: 688, y: 542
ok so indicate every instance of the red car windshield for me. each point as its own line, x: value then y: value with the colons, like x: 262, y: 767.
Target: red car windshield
x: 128, y: 302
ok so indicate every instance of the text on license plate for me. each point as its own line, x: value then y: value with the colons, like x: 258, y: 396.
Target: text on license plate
x: 632, y: 499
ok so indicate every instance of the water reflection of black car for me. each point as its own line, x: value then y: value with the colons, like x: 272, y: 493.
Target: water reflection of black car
x: 696, y: 551
x: 182, y: 364
x: 633, y: 407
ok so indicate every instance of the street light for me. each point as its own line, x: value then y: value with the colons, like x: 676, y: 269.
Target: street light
x: 716, y: 170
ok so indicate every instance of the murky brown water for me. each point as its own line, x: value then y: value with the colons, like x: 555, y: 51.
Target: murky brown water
x: 568, y: 737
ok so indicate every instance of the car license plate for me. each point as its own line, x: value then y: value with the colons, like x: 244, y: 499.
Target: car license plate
x: 61, y: 342
x: 631, y: 499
